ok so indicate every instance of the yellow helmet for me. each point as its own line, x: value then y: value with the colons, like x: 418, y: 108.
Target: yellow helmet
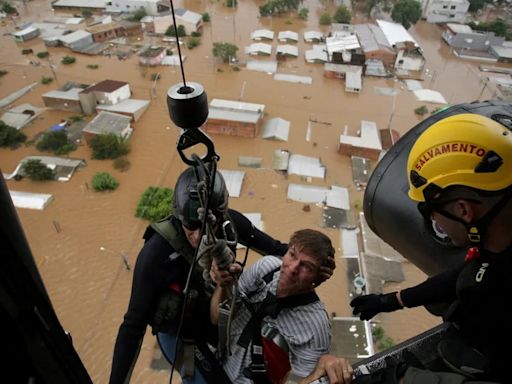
x: 467, y: 150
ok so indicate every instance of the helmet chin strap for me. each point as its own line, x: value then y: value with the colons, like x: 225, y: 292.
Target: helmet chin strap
x: 477, y: 229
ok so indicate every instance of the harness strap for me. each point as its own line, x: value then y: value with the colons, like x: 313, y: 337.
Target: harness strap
x: 168, y: 231
x: 270, y: 306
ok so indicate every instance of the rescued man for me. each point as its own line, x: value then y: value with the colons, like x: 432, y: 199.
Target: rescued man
x: 280, y: 329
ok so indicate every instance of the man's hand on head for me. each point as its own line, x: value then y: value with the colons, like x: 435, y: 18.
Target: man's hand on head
x: 326, y: 270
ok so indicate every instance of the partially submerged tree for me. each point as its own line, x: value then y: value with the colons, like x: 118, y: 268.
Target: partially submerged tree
x: 56, y: 142
x: 406, y: 12
x: 303, y: 13
x: 109, y: 146
x: 10, y: 137
x: 342, y: 15
x: 37, y: 171
x: 155, y: 203
x: 103, y: 181
x: 325, y: 19
x: 224, y: 51
x: 171, y: 32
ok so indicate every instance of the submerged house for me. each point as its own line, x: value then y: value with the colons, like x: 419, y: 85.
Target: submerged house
x: 366, y: 144
x: 234, y: 118
x: 107, y: 122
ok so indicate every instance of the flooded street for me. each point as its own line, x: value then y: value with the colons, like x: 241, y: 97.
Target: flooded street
x: 90, y: 288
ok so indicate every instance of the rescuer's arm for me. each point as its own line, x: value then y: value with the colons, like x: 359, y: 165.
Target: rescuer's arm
x: 440, y: 288
x: 337, y: 369
x: 224, y: 281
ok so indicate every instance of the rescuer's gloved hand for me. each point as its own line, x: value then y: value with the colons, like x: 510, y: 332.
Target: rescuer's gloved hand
x: 222, y: 254
x: 367, y: 306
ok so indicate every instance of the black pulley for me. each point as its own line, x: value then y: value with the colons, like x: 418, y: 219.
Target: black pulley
x: 188, y: 105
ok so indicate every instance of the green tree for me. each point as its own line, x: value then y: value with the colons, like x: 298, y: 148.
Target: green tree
x: 303, y: 13
x: 109, y: 146
x: 68, y: 60
x: 231, y: 3
x: 406, y: 12
x: 206, y: 17
x: 10, y: 137
x: 46, y: 80
x: 475, y: 5
x: 498, y: 26
x: 3, y: 73
x: 37, y: 171
x: 421, y: 111
x: 170, y: 31
x: 342, y: 15
x: 224, y: 51
x: 155, y: 203
x: 137, y: 15
x: 325, y: 19
x: 369, y: 5
x: 103, y: 181
x: 56, y: 142
x: 122, y: 164
x: 193, y: 42
x: 43, y: 54
x: 8, y: 8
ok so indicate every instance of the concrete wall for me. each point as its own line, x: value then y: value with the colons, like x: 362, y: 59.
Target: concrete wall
x: 62, y: 104
x: 350, y: 150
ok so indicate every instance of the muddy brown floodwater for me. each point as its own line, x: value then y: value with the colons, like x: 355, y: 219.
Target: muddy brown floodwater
x: 89, y: 287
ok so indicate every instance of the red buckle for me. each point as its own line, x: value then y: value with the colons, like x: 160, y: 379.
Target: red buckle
x: 473, y: 253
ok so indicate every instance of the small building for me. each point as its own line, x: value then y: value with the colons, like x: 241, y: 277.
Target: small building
x: 191, y: 21
x: 502, y: 53
x: 64, y: 100
x: 108, y: 122
x: 76, y: 40
x: 344, y: 50
x: 20, y: 115
x: 26, y: 34
x: 460, y: 36
x: 409, y: 56
x: 104, y: 32
x: 234, y: 118
x: 152, y: 7
x: 316, y: 55
x: 80, y: 5
x: 106, y: 92
x: 287, y: 50
x: 374, y: 44
x: 132, y: 108
x: 354, y: 80
x: 445, y: 11
x: 313, y: 37
x: 262, y: 34
x: 288, y: 37
x: 259, y: 49
x: 367, y: 144
x: 152, y: 56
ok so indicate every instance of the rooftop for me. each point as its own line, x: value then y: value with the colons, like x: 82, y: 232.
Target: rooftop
x: 106, y: 86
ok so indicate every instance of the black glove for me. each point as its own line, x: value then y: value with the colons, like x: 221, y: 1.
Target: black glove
x: 367, y: 306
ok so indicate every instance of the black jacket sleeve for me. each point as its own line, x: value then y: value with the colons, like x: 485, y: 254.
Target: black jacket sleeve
x: 253, y: 238
x: 440, y: 288
x: 151, y: 272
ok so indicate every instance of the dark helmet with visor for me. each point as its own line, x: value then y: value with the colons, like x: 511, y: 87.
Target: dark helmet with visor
x: 186, y: 198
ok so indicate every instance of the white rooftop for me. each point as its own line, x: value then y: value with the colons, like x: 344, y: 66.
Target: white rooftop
x: 234, y: 180
x: 293, y: 78
x: 276, y: 128
x: 430, y: 96
x: 369, y: 137
x: 74, y: 36
x: 81, y: 3
x: 335, y: 197
x: 343, y: 43
x: 25, y: 31
x: 312, y: 35
x: 256, y: 48
x: 306, y: 166
x: 459, y: 28
x: 173, y: 60
x: 71, y: 94
x: 262, y: 66
x: 30, y: 200
x: 235, y: 111
x: 287, y: 49
x: 262, y: 34
x: 288, y: 35
x: 395, y: 33
x: 128, y: 106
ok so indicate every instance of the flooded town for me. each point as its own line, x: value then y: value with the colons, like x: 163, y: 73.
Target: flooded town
x: 302, y: 106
